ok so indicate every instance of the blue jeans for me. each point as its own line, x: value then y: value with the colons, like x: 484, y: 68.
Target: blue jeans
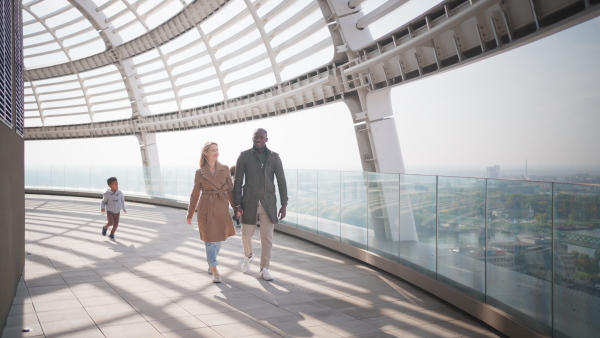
x: 212, y: 250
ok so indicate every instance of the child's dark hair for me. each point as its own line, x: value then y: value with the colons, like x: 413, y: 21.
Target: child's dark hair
x: 110, y: 180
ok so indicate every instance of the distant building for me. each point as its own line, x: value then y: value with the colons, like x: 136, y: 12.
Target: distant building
x: 493, y: 172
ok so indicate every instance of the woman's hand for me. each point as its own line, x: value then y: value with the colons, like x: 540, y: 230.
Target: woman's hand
x: 189, y: 221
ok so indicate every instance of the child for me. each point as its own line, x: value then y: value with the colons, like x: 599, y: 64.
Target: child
x: 112, y: 203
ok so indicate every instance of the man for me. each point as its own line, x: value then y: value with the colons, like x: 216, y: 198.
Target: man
x: 255, y: 201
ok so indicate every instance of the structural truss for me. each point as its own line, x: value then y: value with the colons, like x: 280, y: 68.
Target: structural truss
x: 153, y: 66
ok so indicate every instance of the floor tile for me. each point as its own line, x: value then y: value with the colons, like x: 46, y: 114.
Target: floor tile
x: 422, y: 331
x: 224, y: 318
x: 68, y: 326
x: 60, y: 315
x: 393, y: 322
x: 351, y: 328
x: 312, y: 331
x: 57, y: 305
x: 164, y: 313
x: 243, y: 329
x: 328, y: 317
x: 195, y: 333
x: 177, y: 324
x: 143, y: 329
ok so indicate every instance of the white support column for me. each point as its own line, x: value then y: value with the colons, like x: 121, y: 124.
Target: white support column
x: 361, y: 127
x: 382, y: 131
x: 388, y: 158
x: 151, y: 163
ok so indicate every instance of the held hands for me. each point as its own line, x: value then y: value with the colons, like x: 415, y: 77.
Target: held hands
x: 282, y: 212
x: 238, y: 212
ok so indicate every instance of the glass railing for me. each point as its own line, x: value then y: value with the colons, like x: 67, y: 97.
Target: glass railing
x: 530, y: 249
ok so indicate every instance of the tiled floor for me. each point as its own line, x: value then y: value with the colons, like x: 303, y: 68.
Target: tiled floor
x: 152, y: 282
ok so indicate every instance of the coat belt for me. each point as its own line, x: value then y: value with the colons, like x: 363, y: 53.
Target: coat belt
x: 211, y: 194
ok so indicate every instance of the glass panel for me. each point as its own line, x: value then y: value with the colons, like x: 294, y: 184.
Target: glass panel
x: 417, y: 222
x: 519, y: 250
x: 291, y: 180
x: 70, y: 174
x: 120, y: 173
x: 169, y: 182
x: 135, y: 182
x: 185, y: 183
x: 308, y: 190
x: 384, y: 220
x: 31, y: 177
x: 461, y: 216
x: 354, y: 208
x: 329, y: 204
x: 576, y: 260
x: 83, y: 177
x: 58, y: 177
x: 152, y: 176
x: 97, y: 180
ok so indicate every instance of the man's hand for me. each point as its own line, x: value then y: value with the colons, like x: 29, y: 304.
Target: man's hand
x: 282, y: 212
x: 189, y: 221
x: 102, y: 210
x: 238, y: 212
x: 124, y: 211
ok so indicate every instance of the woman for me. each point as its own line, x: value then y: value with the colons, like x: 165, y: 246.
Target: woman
x: 213, y: 187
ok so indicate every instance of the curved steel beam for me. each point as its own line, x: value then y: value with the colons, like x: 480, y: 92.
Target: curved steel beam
x: 197, y: 11
x: 501, y: 27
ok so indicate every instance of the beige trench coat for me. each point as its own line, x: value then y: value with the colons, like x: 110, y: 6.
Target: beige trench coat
x: 215, y: 194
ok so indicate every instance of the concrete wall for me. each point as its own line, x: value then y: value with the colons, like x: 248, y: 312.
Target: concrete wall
x: 12, y: 189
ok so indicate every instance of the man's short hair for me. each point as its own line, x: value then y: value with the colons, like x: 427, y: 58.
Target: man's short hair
x: 261, y: 130
x: 110, y: 180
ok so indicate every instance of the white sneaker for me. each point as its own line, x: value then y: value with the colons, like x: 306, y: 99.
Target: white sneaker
x: 216, y: 278
x: 209, y: 271
x: 246, y: 263
x: 264, y: 273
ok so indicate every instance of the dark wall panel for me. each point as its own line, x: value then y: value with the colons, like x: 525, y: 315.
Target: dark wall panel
x: 12, y: 156
x: 12, y: 217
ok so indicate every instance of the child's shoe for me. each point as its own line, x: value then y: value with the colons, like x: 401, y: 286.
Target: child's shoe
x: 104, y: 231
x: 111, y: 236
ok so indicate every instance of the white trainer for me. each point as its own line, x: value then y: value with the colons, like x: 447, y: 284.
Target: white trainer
x: 216, y: 277
x: 209, y: 271
x: 246, y: 263
x: 264, y: 273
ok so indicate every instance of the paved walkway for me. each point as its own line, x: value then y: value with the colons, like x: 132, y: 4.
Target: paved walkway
x: 152, y: 282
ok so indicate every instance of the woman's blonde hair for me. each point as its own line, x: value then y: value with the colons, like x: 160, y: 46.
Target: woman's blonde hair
x: 204, y: 151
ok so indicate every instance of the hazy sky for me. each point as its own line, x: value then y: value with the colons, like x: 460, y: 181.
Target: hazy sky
x: 539, y: 102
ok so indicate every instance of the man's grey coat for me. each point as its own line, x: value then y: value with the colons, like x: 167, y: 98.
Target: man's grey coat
x: 258, y: 184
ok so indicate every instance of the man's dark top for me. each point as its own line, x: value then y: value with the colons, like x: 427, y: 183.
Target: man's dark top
x: 258, y: 178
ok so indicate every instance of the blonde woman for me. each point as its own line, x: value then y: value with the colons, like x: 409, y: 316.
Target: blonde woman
x: 213, y: 189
